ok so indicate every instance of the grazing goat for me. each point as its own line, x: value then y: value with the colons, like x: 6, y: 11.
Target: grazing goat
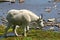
x: 22, y: 18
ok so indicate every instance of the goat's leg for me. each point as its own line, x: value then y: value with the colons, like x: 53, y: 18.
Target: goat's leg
x: 6, y: 29
x: 14, y: 28
x: 27, y: 28
x: 25, y: 31
x: 16, y: 31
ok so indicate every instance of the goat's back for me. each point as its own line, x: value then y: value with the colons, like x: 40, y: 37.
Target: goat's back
x: 21, y: 16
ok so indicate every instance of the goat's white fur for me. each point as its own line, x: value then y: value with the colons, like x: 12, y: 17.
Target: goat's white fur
x: 21, y: 18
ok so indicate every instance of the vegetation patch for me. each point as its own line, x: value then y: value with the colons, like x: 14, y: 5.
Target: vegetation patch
x: 33, y: 34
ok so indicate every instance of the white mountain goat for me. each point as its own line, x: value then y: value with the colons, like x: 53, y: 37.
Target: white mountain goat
x: 22, y: 18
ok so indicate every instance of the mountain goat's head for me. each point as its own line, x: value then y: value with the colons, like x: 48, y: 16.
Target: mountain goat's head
x: 40, y: 22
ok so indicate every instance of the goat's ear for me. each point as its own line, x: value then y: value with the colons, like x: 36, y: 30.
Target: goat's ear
x: 40, y: 17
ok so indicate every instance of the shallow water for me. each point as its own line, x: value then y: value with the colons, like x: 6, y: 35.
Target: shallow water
x: 37, y: 6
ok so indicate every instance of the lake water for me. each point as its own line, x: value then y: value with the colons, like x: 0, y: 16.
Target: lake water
x: 36, y: 6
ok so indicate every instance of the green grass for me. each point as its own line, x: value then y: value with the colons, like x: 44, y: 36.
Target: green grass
x: 33, y: 34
